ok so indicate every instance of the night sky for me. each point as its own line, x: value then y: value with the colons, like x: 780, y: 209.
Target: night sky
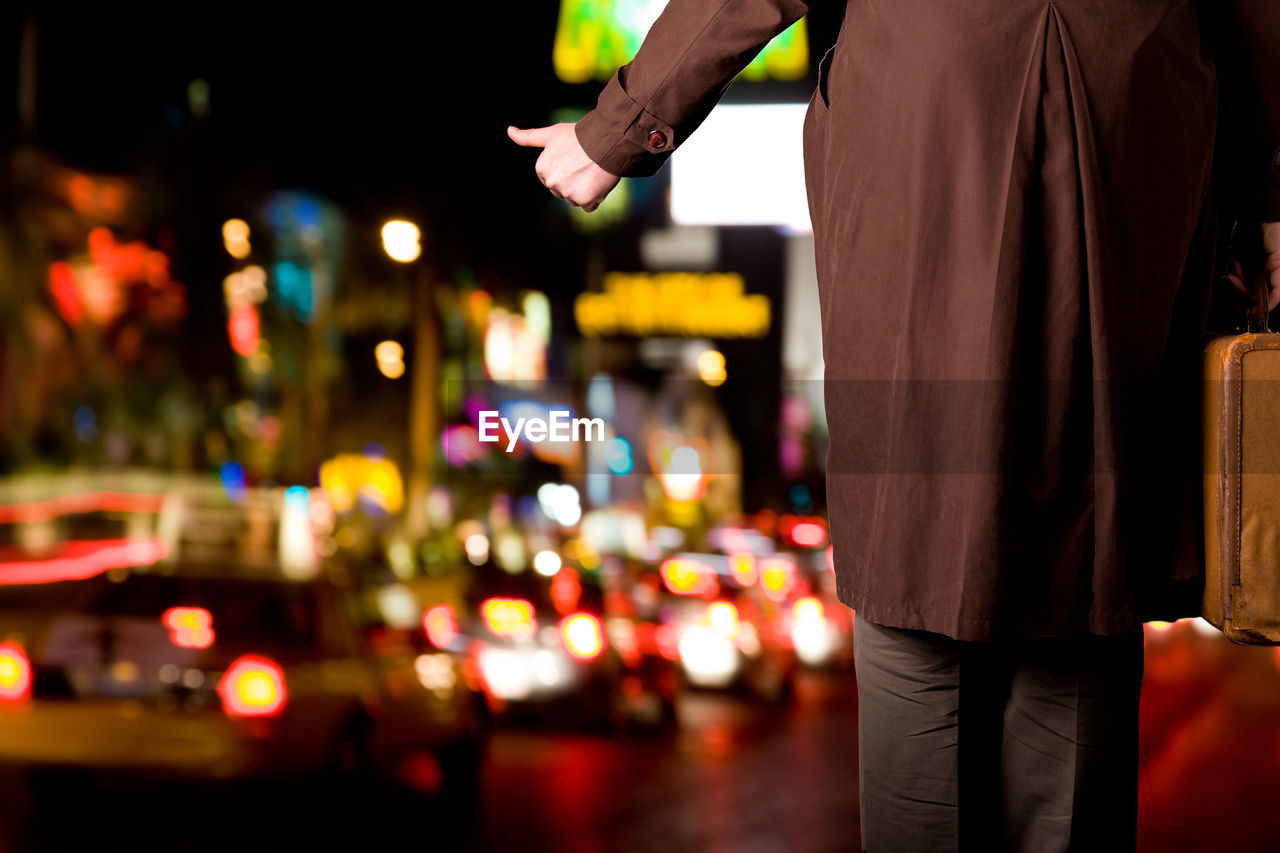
x: 398, y: 108
x: 398, y: 105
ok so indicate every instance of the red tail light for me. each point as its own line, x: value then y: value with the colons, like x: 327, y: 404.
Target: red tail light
x: 440, y: 625
x: 15, y: 673
x: 508, y: 616
x: 668, y: 645
x: 583, y: 636
x: 808, y: 532
x: 253, y: 686
x: 777, y: 576
x: 189, y: 627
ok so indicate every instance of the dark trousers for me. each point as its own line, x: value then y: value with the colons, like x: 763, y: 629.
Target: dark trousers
x: 1021, y: 746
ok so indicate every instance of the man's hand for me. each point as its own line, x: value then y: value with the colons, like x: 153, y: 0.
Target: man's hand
x: 1270, y: 269
x: 563, y: 167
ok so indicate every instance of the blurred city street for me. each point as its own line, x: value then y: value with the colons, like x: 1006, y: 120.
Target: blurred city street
x: 733, y: 777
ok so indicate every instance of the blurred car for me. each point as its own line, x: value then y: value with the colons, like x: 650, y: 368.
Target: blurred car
x: 821, y: 626
x: 794, y: 558
x: 568, y: 646
x: 206, y: 673
x: 732, y: 621
x: 822, y: 632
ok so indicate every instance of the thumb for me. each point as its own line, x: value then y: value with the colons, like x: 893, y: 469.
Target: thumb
x: 536, y: 136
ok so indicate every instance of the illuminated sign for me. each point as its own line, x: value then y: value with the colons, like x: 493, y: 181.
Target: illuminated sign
x: 515, y: 352
x: 99, y: 197
x: 716, y: 180
x: 688, y: 304
x: 349, y: 476
x: 114, y: 279
x: 594, y: 37
x: 678, y: 463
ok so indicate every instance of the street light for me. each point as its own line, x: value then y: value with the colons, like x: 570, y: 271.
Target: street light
x: 711, y: 367
x: 235, y: 237
x: 400, y: 239
x: 390, y: 357
x: 403, y: 243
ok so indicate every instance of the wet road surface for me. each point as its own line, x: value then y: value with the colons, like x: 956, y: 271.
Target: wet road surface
x: 733, y: 777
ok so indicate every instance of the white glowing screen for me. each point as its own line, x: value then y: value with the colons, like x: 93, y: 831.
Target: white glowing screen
x: 743, y: 166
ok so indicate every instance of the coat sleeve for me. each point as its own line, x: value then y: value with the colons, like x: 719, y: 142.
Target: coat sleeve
x: 690, y: 55
x: 1248, y: 57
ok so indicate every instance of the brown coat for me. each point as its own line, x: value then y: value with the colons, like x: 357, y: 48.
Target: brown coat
x: 1011, y: 203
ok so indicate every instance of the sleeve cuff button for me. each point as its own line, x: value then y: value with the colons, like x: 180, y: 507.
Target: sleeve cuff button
x: 657, y: 139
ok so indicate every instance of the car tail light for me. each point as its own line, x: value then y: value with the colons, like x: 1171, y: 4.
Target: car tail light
x: 743, y: 566
x: 688, y: 577
x: 583, y: 636
x: 809, y: 611
x: 15, y: 673
x: 189, y: 627
x: 807, y: 532
x: 777, y: 577
x: 508, y: 616
x: 440, y: 625
x: 566, y: 589
x: 723, y: 618
x: 809, y: 634
x: 253, y: 686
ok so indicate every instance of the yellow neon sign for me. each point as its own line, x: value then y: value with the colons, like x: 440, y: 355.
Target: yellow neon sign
x: 684, y: 304
x: 347, y: 476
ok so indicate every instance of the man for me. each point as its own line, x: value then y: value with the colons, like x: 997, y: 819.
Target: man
x: 1015, y: 206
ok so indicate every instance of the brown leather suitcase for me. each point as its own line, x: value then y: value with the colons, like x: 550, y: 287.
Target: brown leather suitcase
x: 1242, y: 486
